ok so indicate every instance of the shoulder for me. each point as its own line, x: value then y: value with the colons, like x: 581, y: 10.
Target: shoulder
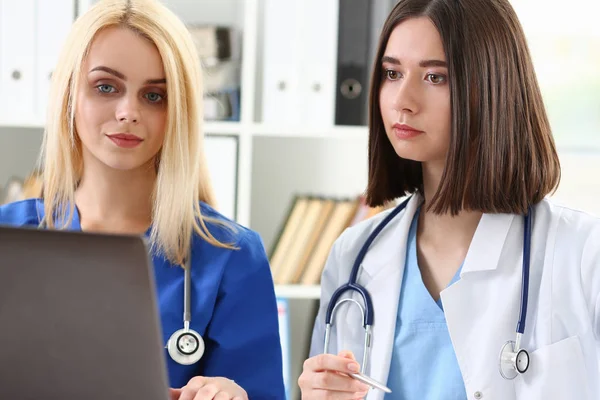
x: 571, y: 238
x: 246, y: 254
x: 571, y: 225
x: 244, y: 263
x: 22, y: 213
x: 225, y: 230
x: 354, y: 236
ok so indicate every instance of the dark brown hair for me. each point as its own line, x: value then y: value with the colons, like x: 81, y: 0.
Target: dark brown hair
x: 502, y: 157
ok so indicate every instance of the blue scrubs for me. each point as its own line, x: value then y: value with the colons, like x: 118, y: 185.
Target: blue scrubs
x: 233, y: 305
x: 423, y: 364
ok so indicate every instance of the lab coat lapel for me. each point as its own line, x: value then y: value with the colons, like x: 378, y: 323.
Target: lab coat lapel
x: 382, y: 272
x: 487, y: 243
x: 481, y: 308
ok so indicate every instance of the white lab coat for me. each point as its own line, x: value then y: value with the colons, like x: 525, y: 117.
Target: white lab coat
x: 562, y: 331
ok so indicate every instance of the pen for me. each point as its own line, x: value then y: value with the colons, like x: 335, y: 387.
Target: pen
x: 371, y: 382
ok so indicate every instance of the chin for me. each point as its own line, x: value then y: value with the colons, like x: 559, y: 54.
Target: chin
x: 411, y: 151
x: 127, y: 164
x: 417, y: 150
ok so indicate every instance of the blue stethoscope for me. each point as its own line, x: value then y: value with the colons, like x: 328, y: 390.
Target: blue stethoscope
x: 514, y: 360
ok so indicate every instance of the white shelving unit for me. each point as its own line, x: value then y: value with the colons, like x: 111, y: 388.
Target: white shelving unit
x: 311, y: 292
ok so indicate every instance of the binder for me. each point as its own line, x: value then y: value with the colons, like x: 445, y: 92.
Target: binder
x: 340, y: 219
x: 326, y: 211
x: 17, y: 60
x: 317, y: 73
x: 352, y: 80
x: 54, y: 19
x: 282, y: 33
x: 299, y: 67
x: 287, y: 236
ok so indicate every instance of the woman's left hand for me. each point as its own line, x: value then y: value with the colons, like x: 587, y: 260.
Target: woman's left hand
x: 204, y: 388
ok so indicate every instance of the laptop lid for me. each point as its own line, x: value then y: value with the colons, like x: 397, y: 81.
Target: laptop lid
x: 78, y: 317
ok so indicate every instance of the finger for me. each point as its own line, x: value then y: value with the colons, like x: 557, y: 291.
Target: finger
x: 347, y: 354
x: 222, y: 396
x: 331, y: 362
x: 207, y: 392
x: 334, y: 381
x: 187, y: 393
x: 191, y: 390
x: 327, y: 394
x: 174, y: 394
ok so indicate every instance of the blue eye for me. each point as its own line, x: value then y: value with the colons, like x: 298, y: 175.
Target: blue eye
x: 154, y: 97
x: 104, y: 88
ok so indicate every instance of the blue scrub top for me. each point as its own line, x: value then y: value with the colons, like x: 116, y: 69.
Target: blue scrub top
x: 423, y: 364
x: 233, y: 305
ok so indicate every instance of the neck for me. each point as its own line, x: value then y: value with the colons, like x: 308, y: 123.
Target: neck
x: 444, y: 231
x: 115, y: 201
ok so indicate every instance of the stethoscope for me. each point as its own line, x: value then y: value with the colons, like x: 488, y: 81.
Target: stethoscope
x: 513, y: 359
x: 186, y: 346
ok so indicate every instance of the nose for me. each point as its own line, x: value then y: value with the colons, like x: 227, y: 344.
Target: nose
x: 128, y: 110
x: 406, y: 99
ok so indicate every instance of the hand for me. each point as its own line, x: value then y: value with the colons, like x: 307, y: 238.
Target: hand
x: 203, y: 388
x: 325, y: 377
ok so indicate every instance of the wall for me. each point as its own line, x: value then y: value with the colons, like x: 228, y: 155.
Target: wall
x: 19, y: 150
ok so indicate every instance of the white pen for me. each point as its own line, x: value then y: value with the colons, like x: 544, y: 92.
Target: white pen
x: 371, y: 382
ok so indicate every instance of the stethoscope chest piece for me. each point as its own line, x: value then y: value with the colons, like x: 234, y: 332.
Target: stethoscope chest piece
x: 186, y: 346
x: 513, y: 363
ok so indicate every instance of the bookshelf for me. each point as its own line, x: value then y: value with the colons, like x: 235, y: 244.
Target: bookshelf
x: 308, y: 292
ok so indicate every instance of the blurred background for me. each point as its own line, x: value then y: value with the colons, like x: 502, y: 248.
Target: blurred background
x: 286, y: 86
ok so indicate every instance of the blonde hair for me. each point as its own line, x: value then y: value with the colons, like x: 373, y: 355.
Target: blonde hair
x: 181, y: 165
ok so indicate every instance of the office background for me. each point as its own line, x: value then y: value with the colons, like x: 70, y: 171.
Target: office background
x: 285, y: 116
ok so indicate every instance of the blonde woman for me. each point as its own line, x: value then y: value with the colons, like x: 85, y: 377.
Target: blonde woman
x: 123, y: 153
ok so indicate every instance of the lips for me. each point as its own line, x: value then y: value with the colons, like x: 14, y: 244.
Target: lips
x: 125, y: 136
x: 125, y: 140
x: 403, y: 131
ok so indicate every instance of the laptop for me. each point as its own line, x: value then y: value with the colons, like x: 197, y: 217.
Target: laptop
x: 78, y: 317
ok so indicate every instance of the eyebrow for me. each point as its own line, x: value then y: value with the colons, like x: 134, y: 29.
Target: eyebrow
x: 422, y: 63
x: 122, y: 76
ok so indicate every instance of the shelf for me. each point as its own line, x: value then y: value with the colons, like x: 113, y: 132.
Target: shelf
x: 221, y: 128
x: 7, y: 124
x: 298, y: 291
x: 331, y: 132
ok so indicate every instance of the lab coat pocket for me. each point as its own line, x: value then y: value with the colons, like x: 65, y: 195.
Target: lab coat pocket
x: 556, y: 372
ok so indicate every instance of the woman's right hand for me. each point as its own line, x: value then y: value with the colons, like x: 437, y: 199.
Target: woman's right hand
x: 325, y: 377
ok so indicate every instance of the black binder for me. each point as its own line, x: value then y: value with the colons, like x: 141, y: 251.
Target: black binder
x: 352, y: 86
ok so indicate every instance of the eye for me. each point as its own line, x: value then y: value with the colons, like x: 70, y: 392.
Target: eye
x: 154, y: 97
x: 104, y: 88
x: 436, y: 79
x: 392, y: 75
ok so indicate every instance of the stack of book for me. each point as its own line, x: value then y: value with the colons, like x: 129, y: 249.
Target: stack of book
x: 311, y: 227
